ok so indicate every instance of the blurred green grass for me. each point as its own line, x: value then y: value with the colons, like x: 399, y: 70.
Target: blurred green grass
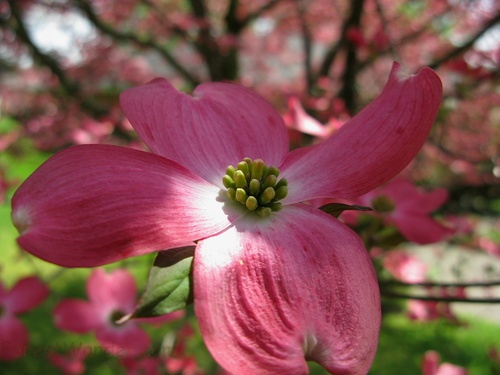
x: 402, y: 342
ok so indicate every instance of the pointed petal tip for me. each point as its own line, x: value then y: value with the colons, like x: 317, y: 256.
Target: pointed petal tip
x: 401, y: 74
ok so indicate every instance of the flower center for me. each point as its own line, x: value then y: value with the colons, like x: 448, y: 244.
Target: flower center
x: 115, y: 316
x: 383, y: 204
x: 256, y: 186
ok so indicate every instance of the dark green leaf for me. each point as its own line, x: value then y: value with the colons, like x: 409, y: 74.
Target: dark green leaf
x: 169, y: 286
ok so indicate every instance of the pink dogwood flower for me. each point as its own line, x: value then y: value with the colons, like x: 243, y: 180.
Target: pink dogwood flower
x: 27, y: 294
x: 276, y: 282
x: 407, y: 207
x: 142, y: 366
x: 404, y: 267
x: 431, y: 365
x: 111, y: 296
x: 71, y: 363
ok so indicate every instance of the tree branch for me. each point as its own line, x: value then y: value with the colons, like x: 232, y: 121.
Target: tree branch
x: 256, y: 14
x: 70, y: 87
x: 348, y: 91
x: 148, y: 41
x: 307, y: 44
x: 467, y: 45
x: 444, y: 285
x: 351, y: 65
x: 439, y: 299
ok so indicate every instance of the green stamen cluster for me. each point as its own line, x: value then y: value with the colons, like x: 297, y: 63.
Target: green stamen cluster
x: 256, y: 186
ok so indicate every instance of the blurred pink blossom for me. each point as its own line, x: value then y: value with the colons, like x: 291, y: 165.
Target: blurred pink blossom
x: 431, y: 365
x: 71, y: 363
x: 27, y: 294
x: 404, y: 267
x: 490, y: 246
x: 111, y: 297
x: 297, y: 119
x: 142, y: 366
x: 431, y: 310
x: 409, y: 208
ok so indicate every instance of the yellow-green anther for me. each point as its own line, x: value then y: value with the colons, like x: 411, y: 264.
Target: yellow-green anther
x: 230, y: 171
x: 231, y: 193
x: 281, y: 192
x: 264, y: 211
x: 270, y: 181
x: 249, y: 163
x: 252, y: 203
x: 239, y: 179
x: 228, y: 181
x: 267, y: 195
x: 273, y: 171
x: 254, y: 187
x: 282, y: 182
x: 275, y: 207
x: 242, y: 166
x: 241, y: 195
x: 258, y: 169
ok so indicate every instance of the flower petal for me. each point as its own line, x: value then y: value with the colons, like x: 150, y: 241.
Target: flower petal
x: 219, y: 126
x: 75, y: 315
x: 13, y: 338
x: 27, y: 294
x: 409, y: 198
x: 126, y: 340
x: 420, y: 229
x: 372, y: 147
x: 112, y: 291
x: 95, y: 204
x: 271, y: 294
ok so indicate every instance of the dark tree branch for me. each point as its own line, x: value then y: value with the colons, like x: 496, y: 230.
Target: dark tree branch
x: 307, y: 44
x: 467, y: 45
x: 384, y: 22
x: 442, y: 285
x: 205, y: 43
x: 439, y: 299
x: 70, y: 87
x: 148, y: 41
x: 348, y: 91
x: 257, y: 13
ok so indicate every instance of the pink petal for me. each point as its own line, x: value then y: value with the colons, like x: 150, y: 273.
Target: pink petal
x: 220, y: 125
x: 162, y: 319
x: 373, y: 146
x: 430, y: 363
x: 70, y: 363
x: 271, y: 294
x: 421, y: 229
x: 95, y: 204
x: 405, y: 267
x: 450, y: 369
x: 112, y: 291
x: 410, y: 198
x: 77, y: 316
x: 301, y: 121
x: 13, y: 338
x: 126, y: 340
x: 27, y: 294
